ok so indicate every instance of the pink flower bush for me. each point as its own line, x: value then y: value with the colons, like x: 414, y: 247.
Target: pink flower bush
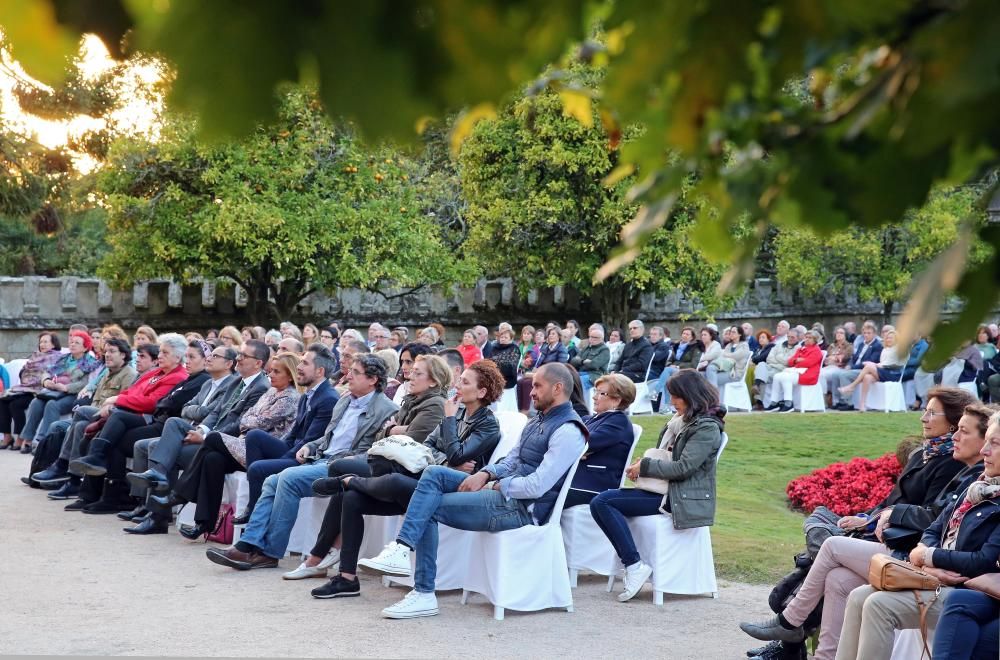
x: 845, y: 488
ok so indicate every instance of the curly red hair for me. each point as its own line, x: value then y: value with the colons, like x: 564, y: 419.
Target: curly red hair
x: 489, y: 378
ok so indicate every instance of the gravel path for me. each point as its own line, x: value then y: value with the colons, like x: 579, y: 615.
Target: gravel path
x: 75, y: 584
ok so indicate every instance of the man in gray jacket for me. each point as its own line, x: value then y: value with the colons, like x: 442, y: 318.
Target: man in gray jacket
x: 356, y: 419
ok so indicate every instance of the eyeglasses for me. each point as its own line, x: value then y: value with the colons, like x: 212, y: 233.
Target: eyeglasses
x: 931, y: 413
x: 242, y: 356
x: 215, y: 355
x: 598, y: 393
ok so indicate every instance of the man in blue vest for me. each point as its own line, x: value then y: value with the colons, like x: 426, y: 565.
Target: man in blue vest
x: 519, y: 490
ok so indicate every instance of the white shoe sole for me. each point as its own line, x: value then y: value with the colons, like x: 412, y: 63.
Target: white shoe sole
x: 388, y: 614
x: 304, y: 575
x: 627, y: 596
x: 385, y: 569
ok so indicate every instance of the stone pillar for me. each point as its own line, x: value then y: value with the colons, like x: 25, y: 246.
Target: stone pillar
x: 67, y: 295
x: 29, y: 295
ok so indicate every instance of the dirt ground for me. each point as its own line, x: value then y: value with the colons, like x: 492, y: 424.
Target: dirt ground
x: 74, y: 584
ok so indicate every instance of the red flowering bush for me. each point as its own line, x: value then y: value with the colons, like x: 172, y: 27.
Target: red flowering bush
x: 845, y: 488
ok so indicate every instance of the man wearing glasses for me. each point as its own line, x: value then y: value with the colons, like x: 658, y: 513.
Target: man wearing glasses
x: 356, y: 419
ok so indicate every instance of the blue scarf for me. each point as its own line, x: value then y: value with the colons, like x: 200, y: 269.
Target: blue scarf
x: 939, y: 446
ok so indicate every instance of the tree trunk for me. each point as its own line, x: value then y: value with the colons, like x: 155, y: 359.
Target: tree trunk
x: 615, y: 301
x: 887, y: 306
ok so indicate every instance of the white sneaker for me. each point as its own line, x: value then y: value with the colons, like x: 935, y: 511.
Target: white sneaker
x: 393, y: 560
x: 635, y: 576
x: 318, y: 571
x: 414, y: 605
x: 332, y: 559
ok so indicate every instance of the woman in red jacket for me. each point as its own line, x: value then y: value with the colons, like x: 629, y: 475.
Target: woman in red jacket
x: 468, y: 348
x: 133, y: 408
x: 803, y: 369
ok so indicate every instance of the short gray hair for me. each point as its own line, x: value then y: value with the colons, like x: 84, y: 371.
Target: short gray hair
x: 816, y: 335
x: 273, y: 334
x: 178, y: 345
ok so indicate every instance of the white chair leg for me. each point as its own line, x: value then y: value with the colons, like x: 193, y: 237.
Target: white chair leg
x: 715, y: 594
x: 569, y: 608
x: 611, y: 583
x: 498, y: 613
x: 465, y: 596
x: 658, y: 598
x: 573, y: 575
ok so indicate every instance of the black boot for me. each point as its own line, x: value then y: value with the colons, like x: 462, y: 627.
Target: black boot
x: 95, y: 463
x: 115, y: 498
x: 151, y: 524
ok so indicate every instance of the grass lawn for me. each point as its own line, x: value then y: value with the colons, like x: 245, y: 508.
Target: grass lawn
x: 755, y: 533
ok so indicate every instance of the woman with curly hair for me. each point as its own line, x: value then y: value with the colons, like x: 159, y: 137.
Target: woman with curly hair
x: 464, y: 441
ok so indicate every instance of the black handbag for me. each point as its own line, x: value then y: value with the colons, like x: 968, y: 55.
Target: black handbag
x: 902, y: 539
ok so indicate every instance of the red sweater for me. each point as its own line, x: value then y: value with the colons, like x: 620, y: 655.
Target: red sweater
x: 809, y: 358
x: 469, y: 353
x: 142, y: 395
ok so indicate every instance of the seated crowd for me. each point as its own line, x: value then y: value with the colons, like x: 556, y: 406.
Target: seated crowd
x: 332, y: 413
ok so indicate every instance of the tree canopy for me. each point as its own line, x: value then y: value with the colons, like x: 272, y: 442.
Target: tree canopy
x: 294, y: 207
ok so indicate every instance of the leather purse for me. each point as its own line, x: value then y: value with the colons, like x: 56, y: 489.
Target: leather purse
x: 223, y: 532
x: 652, y: 484
x: 903, y: 539
x: 887, y: 573
x: 988, y: 583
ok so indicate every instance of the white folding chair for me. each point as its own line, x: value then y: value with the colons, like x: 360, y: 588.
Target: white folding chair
x: 970, y: 387
x: 682, y: 559
x: 453, y: 544
x: 736, y: 394
x: 508, y: 401
x: 887, y: 396
x: 587, y: 548
x: 810, y: 397
x: 235, y: 492
x: 14, y: 371
x: 500, y: 568
x: 643, y: 398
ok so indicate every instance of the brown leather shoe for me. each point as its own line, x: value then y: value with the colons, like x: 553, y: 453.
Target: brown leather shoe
x: 258, y: 560
x: 230, y: 557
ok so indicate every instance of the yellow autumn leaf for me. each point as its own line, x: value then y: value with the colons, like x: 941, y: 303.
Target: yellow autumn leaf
x: 617, y: 174
x: 466, y: 121
x: 576, y: 104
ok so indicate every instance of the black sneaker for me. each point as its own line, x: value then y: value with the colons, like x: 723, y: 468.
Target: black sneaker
x: 330, y: 485
x: 77, y: 505
x: 774, y: 407
x: 786, y: 408
x: 67, y: 491
x: 338, y: 587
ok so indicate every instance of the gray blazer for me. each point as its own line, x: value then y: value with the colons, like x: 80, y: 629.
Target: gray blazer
x: 370, y: 423
x: 226, y: 418
x: 201, y: 405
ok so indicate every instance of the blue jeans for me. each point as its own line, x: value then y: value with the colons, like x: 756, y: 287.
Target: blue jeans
x: 274, y: 514
x: 42, y: 413
x: 437, y: 499
x: 968, y: 627
x: 266, y: 455
x: 612, y: 509
x: 659, y: 386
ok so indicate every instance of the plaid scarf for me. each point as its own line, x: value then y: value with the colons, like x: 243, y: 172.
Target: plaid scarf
x: 982, y: 489
x: 939, y: 446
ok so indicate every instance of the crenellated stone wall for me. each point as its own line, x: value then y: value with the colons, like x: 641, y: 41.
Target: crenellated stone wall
x: 31, y: 304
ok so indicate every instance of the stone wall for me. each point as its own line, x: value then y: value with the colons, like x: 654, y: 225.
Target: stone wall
x: 31, y: 304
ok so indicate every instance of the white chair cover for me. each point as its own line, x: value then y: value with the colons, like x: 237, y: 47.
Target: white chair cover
x: 587, y: 548
x: 682, y: 559
x: 500, y: 569
x: 508, y: 401
x: 970, y: 387
x: 14, y: 371
x: 808, y: 398
x: 909, y: 645
x: 736, y: 394
x: 643, y: 397
x: 886, y: 396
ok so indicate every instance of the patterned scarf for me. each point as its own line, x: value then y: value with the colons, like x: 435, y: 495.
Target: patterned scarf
x: 939, y: 446
x: 982, y: 489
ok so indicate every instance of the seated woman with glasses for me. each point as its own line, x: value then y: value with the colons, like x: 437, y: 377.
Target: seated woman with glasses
x: 610, y: 440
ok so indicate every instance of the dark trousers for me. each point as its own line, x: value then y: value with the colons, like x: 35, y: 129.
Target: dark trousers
x: 205, y: 479
x: 577, y: 497
x: 613, y: 508
x: 969, y: 627
x: 13, y: 409
x: 266, y: 455
x: 331, y: 527
x: 523, y: 392
x: 123, y: 449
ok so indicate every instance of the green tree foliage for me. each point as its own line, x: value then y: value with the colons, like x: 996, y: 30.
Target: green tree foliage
x: 900, y: 95
x: 295, y: 207
x: 879, y: 263
x: 535, y: 181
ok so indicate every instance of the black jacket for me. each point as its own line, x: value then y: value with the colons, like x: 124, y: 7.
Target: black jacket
x: 760, y: 353
x: 459, y: 440
x: 916, y: 516
x: 977, y: 547
x: 919, y: 482
x: 635, y: 359
x: 607, y: 455
x: 226, y: 412
x: 175, y: 400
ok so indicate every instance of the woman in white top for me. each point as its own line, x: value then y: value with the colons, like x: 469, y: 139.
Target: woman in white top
x: 616, y: 346
x: 889, y: 368
x: 713, y: 349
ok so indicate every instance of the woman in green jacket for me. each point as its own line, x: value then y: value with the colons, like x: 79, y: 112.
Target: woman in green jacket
x: 693, y: 443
